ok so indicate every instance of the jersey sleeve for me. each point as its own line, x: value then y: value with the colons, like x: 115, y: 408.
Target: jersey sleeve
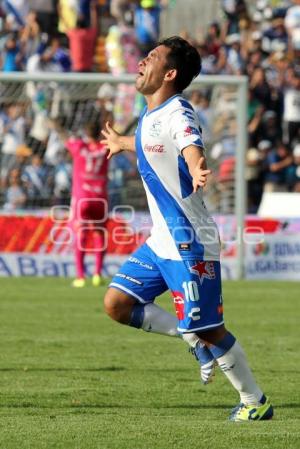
x: 185, y: 128
x: 73, y: 145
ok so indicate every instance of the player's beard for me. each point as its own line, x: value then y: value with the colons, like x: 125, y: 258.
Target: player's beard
x: 138, y: 83
x: 146, y: 87
x: 141, y: 85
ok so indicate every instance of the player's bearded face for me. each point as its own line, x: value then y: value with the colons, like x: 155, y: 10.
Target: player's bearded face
x: 152, y: 70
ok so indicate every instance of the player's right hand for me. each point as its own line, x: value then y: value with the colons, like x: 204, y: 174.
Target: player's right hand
x: 200, y: 174
x: 111, y: 141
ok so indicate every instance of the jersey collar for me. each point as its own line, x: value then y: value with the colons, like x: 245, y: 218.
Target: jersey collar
x: 162, y: 105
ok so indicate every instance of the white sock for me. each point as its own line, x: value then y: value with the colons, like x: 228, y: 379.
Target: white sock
x: 191, y: 339
x: 159, y: 321
x: 235, y: 367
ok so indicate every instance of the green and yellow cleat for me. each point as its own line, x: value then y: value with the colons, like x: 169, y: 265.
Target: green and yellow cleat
x: 78, y: 283
x: 96, y: 280
x: 243, y: 412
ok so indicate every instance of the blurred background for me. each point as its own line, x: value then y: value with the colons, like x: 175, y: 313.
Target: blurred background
x: 76, y: 39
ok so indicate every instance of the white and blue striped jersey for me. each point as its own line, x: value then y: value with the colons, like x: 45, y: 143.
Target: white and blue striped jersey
x: 182, y: 227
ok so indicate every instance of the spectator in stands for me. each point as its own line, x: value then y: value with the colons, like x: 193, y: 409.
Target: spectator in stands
x: 56, y: 56
x: 208, y: 60
x: 62, y: 178
x: 254, y: 59
x: 37, y: 92
x: 255, y: 113
x: 82, y: 41
x: 292, y: 22
x: 17, y: 10
x: 146, y: 22
x: 105, y: 102
x: 47, y: 15
x: 23, y: 153
x: 50, y: 56
x: 277, y: 163
x: 291, y: 113
x: 295, y: 57
x: 30, y: 35
x: 275, y: 38
x: 270, y: 127
x: 267, y: 49
x: 37, y: 181
x: 84, y: 11
x: 119, y: 9
x: 230, y: 58
x: 200, y: 102
x: 12, y: 55
x: 67, y: 15
x: 15, y: 197
x: 212, y: 39
x: 35, y: 62
x: 254, y: 178
x: 260, y: 87
x: 55, y: 145
x: 12, y: 126
x: 275, y: 68
x: 264, y: 147
x: 252, y: 44
x: 234, y: 11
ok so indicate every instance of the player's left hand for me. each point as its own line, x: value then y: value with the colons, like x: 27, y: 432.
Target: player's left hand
x: 200, y: 174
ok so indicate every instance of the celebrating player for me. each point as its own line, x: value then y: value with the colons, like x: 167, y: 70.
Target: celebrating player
x: 183, y: 251
x: 89, y: 199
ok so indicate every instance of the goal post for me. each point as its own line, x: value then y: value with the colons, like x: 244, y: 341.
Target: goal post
x: 84, y: 87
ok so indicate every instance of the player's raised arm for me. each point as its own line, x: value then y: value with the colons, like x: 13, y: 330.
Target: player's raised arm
x: 115, y: 142
x: 195, y: 159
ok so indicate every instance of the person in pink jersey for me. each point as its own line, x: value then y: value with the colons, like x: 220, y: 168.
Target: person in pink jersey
x: 89, y: 205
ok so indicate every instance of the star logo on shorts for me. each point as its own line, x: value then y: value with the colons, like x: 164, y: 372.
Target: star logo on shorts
x: 205, y: 270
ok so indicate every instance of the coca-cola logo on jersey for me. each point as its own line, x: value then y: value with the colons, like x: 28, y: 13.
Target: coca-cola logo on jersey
x: 154, y: 148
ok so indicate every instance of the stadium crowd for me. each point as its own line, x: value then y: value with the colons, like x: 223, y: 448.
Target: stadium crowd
x: 260, y: 40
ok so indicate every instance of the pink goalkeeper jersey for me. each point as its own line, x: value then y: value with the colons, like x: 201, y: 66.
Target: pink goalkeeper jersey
x: 90, y: 166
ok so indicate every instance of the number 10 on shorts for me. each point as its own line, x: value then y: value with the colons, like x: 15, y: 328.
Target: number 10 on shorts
x: 191, y: 291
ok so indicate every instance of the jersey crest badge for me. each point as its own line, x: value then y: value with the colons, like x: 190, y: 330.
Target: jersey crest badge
x: 155, y: 129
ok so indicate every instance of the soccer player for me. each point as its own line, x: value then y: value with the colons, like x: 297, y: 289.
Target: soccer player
x: 89, y: 199
x: 182, y: 253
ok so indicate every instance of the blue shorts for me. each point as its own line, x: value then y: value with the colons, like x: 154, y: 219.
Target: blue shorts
x: 195, y: 286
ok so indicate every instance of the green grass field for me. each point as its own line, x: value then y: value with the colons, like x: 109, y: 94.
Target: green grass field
x: 72, y: 378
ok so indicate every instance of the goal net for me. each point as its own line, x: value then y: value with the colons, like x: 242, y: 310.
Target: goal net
x: 32, y: 106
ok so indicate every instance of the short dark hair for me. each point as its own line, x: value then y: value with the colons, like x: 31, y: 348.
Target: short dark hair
x: 184, y: 58
x: 92, y: 129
